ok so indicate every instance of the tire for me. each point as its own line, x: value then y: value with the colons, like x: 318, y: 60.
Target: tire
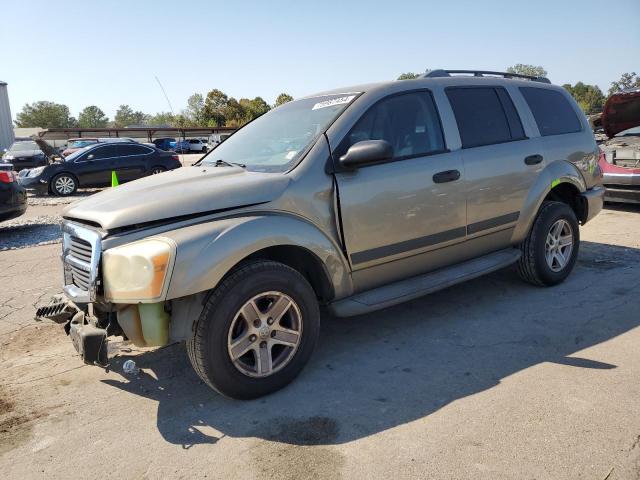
x: 157, y: 169
x: 64, y: 184
x: 222, y: 326
x: 534, y: 265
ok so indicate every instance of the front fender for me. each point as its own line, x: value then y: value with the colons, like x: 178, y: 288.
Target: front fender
x: 206, y: 252
x: 551, y: 176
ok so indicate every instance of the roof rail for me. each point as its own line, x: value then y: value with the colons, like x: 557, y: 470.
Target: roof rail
x: 482, y: 73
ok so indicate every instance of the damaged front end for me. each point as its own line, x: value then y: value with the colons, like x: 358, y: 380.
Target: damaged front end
x: 89, y: 317
x: 620, y: 159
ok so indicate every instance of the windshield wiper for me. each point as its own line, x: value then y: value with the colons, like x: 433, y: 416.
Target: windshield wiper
x: 221, y: 162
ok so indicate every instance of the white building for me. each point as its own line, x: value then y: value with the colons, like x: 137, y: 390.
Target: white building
x: 6, y: 125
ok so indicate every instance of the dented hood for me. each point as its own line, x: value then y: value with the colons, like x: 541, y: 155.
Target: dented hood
x: 185, y: 192
x: 621, y: 112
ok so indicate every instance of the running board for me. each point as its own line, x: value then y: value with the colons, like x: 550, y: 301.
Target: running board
x: 405, y: 290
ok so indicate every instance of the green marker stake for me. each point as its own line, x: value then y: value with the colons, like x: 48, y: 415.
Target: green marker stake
x: 555, y: 182
x: 114, y: 179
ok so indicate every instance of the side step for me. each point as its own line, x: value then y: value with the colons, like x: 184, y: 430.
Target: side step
x: 405, y: 290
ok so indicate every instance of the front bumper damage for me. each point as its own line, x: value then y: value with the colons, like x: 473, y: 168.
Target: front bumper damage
x: 88, y: 334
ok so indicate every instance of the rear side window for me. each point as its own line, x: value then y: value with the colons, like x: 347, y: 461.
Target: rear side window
x: 551, y: 110
x: 409, y: 122
x: 132, y: 150
x: 485, y: 115
x: 107, y: 151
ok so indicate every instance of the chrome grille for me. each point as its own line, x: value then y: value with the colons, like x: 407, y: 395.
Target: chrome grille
x: 81, y: 256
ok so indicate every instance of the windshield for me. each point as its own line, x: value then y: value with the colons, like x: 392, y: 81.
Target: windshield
x: 81, y: 143
x: 77, y: 153
x: 23, y: 147
x: 276, y: 141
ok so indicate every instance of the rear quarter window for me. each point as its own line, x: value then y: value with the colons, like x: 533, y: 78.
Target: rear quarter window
x: 552, y: 112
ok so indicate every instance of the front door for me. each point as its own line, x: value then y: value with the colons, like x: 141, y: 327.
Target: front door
x: 400, y: 216
x: 94, y: 167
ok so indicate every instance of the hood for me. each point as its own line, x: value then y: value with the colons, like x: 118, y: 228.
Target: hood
x: 621, y: 112
x: 48, y: 150
x: 178, y: 193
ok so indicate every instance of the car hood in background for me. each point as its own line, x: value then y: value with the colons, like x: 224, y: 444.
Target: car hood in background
x: 178, y: 193
x: 25, y: 153
x: 621, y: 112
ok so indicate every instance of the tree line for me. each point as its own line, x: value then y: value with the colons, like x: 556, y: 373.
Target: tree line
x: 217, y: 109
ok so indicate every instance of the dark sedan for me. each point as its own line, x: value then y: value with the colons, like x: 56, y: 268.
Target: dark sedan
x: 13, y: 198
x: 25, y: 154
x: 93, y: 166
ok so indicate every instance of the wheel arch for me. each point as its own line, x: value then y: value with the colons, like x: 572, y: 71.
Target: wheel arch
x: 206, y: 253
x: 559, y: 181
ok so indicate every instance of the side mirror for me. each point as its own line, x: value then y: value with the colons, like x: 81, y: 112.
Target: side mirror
x: 367, y: 152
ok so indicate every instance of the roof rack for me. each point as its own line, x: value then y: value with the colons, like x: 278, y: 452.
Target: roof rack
x: 482, y: 73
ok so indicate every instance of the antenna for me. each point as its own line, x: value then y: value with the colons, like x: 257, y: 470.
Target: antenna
x: 165, y: 95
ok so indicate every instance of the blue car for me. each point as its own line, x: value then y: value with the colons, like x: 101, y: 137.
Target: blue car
x: 165, y: 143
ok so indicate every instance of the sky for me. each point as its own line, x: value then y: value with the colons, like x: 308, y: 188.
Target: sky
x: 82, y: 53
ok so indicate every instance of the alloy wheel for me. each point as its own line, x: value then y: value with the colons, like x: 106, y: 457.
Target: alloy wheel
x: 265, y: 334
x: 559, y: 245
x: 64, y: 185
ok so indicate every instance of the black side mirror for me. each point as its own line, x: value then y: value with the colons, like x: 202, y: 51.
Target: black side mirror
x: 367, y: 152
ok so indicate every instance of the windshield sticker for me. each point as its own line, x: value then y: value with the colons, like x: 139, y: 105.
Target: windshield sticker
x: 335, y: 101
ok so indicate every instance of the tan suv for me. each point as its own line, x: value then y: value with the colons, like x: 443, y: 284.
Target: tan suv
x: 356, y: 199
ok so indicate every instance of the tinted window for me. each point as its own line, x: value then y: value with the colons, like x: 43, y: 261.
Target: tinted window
x: 107, y: 151
x: 480, y: 116
x: 409, y: 122
x: 515, y: 125
x: 553, y: 113
x: 132, y: 150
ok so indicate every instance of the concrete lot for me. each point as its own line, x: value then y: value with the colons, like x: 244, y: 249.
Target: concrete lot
x: 490, y: 379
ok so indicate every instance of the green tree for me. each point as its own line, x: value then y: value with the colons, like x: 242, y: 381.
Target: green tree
x: 627, y: 80
x: 233, y: 113
x: 125, y: 116
x: 254, y: 108
x: 214, y: 106
x: 408, y: 76
x: 45, y: 114
x: 162, y: 119
x: 524, y: 69
x: 195, y: 109
x: 92, y: 117
x: 282, y: 99
x: 589, y: 97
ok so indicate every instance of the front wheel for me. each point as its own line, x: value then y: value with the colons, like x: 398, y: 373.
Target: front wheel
x: 550, y: 250
x: 256, y: 332
x: 64, y: 184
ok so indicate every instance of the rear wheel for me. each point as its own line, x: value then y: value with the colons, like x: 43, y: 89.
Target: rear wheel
x: 550, y: 250
x: 257, y: 330
x: 64, y: 184
x: 157, y: 169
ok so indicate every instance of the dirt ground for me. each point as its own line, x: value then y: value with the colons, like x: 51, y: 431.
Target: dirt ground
x: 491, y: 379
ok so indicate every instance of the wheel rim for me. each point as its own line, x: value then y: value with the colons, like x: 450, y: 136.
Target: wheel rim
x: 559, y: 245
x: 64, y: 185
x: 265, y: 334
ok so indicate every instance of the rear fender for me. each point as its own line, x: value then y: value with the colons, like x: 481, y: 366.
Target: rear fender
x: 207, y: 252
x: 553, y: 175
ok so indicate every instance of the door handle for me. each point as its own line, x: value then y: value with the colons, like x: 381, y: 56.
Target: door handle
x: 446, y: 176
x: 533, y: 159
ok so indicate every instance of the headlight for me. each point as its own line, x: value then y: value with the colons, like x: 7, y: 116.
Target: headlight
x: 138, y: 272
x: 8, y: 157
x: 34, y: 172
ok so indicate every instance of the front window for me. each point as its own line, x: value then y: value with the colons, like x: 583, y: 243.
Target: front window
x: 276, y: 141
x: 24, y: 147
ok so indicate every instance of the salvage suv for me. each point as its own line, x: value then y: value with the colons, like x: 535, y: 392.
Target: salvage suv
x: 355, y: 199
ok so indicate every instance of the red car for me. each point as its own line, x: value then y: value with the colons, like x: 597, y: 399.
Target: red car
x: 620, y: 159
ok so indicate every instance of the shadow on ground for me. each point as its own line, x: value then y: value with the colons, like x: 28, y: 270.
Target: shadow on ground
x: 29, y: 233
x: 378, y: 371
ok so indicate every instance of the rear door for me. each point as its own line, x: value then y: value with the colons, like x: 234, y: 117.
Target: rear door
x: 94, y: 167
x: 501, y: 163
x: 394, y: 214
x: 132, y: 161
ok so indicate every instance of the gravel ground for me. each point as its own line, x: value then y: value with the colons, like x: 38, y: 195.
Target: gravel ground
x: 492, y: 379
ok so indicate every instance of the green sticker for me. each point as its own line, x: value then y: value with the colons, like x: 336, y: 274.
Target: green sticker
x: 555, y: 182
